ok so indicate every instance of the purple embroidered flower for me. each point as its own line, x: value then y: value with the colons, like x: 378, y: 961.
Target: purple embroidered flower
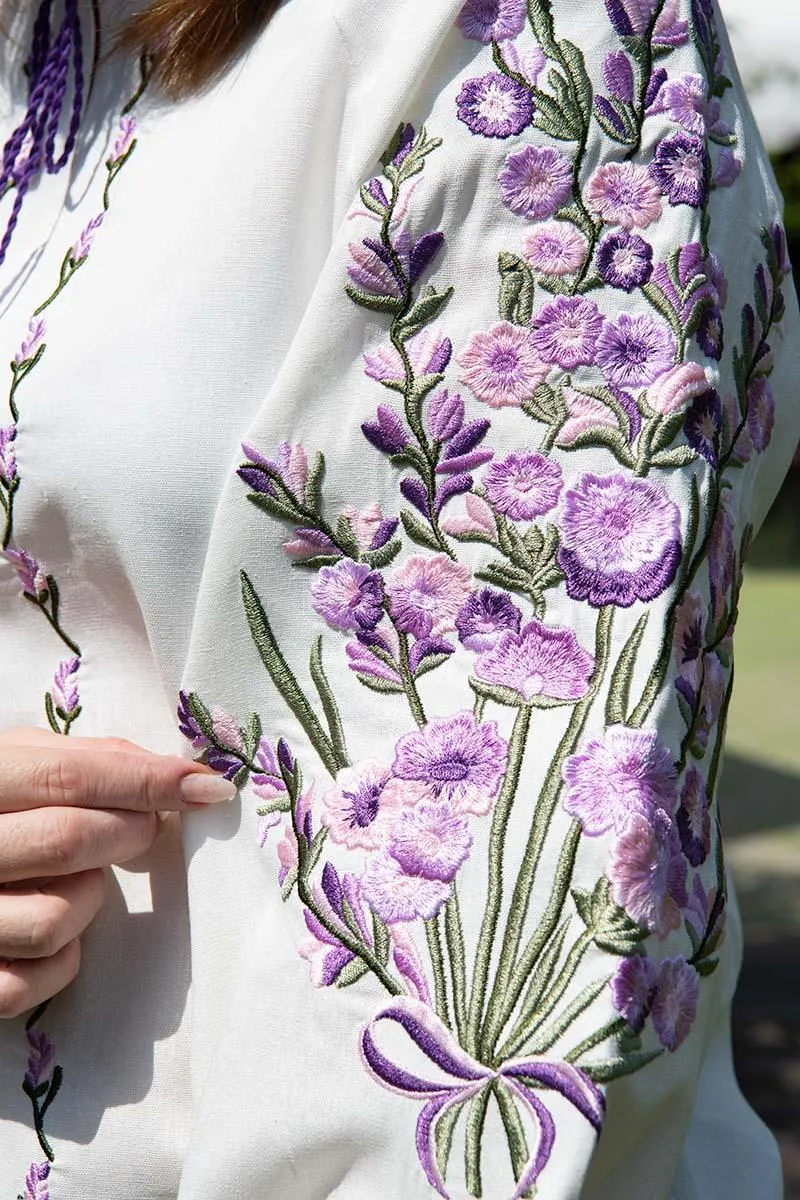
x: 685, y: 99
x: 372, y: 268
x: 492, y: 20
x: 501, y: 365
x: 700, y: 906
x: 485, y: 616
x: 633, y: 988
x: 680, y: 168
x: 387, y: 432
x: 760, y: 413
x: 703, y: 425
x: 82, y: 248
x: 41, y: 1057
x: 540, y: 660
x: 728, y: 169
x: 624, y: 260
x: 326, y: 955
x: 693, y: 820
x: 397, y: 896
x: 64, y: 692
x: 426, y: 593
x: 535, y: 181
x: 188, y: 724
x: 404, y: 144
x: 31, y: 342
x: 712, y: 695
x: 675, y: 1001
x: 427, y: 351
x: 124, y: 139
x: 648, y: 872
x: 634, y: 350
x: 477, y: 521
x: 494, y: 105
x: 461, y: 759
x: 464, y: 452
x: 430, y: 840
x: 307, y: 543
x: 584, y: 413
x: 623, y: 194
x: 676, y: 388
x: 556, y: 248
x: 565, y: 332
x: 362, y: 661
x: 690, y: 632
x: 267, y: 781
x: 721, y: 556
x: 361, y: 808
x: 710, y: 333
x: 8, y: 455
x: 630, y: 18
x: 445, y: 415
x: 287, y: 846
x: 625, y: 771
x: 36, y: 1182
x: 348, y: 595
x: 620, y: 540
x: 670, y: 31
x: 523, y: 486
x: 618, y: 76
x: 529, y: 63
x: 30, y: 574
x: 290, y: 464
x: 370, y: 527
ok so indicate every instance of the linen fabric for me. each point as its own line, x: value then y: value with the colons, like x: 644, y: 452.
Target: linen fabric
x: 582, y: 437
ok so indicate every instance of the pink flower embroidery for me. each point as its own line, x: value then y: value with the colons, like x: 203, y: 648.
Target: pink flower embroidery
x: 501, y: 365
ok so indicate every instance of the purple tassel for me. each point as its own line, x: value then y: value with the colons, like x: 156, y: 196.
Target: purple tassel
x: 31, y: 148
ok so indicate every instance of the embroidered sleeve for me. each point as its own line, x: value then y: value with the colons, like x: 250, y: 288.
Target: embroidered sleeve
x: 563, y: 402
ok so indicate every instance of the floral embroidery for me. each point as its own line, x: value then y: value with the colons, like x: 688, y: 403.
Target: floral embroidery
x: 496, y: 1013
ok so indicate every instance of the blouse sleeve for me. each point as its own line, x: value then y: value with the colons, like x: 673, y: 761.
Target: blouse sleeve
x: 465, y: 633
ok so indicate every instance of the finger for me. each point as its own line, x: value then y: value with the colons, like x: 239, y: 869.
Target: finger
x: 38, y: 922
x: 43, y: 776
x: 31, y: 735
x: 26, y: 983
x: 66, y: 841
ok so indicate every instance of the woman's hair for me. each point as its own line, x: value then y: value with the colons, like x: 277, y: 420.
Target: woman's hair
x: 194, y: 40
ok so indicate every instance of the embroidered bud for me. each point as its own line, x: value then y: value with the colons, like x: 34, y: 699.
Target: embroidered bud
x: 8, y: 456
x: 675, y: 389
x: 64, y: 692
x: 375, y: 189
x: 285, y: 757
x: 618, y: 76
x: 387, y: 433
x: 31, y: 344
x: 125, y: 138
x: 445, y: 415
x: 404, y: 144
x: 83, y: 246
x: 33, y: 580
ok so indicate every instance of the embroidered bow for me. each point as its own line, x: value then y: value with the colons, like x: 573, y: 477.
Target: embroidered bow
x: 467, y: 1078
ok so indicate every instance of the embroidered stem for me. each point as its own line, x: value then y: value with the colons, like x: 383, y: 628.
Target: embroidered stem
x: 529, y: 1022
x: 409, y: 685
x: 611, y: 1030
x: 454, y: 937
x: 433, y: 935
x: 476, y: 1119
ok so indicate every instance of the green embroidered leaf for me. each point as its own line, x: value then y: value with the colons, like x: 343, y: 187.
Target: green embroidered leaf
x: 351, y: 973
x: 369, y: 201
x: 241, y: 777
x: 505, y: 577
x: 706, y: 966
x: 329, y: 705
x: 624, y: 137
x: 384, y: 686
x: 315, y: 850
x: 289, y: 884
x: 418, y: 532
x: 583, y: 903
x: 55, y: 1087
x: 410, y: 457
x: 611, y: 927
x: 654, y: 295
x: 576, y: 65
x: 50, y: 713
x: 315, y: 562
x: 251, y: 734
x: 496, y: 692
x: 422, y: 385
x: 345, y: 537
x: 512, y: 544
x: 381, y: 304
x: 546, y: 405
x: 378, y: 559
x: 667, y: 430
x: 684, y: 708
x: 553, y: 120
x: 546, y: 1038
x: 515, y: 302
x: 619, y: 693
x: 313, y: 490
x: 545, y: 969
x: 282, y: 675
x: 426, y: 309
x: 201, y: 715
x: 443, y: 1136
x: 681, y: 456
x: 616, y: 1068
x: 430, y: 664
x: 515, y: 1133
x: 540, y: 17
x: 563, y: 92
x: 274, y: 507
x: 611, y: 439
x: 382, y: 940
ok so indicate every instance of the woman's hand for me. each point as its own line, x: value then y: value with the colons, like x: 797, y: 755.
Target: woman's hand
x: 69, y: 808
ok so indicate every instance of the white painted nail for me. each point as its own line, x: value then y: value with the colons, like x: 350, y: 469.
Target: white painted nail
x: 206, y: 789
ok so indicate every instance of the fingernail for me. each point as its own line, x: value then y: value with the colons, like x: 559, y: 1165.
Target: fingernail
x: 206, y: 789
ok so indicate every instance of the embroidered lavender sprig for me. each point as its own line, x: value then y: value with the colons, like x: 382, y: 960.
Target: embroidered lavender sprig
x: 43, y: 1079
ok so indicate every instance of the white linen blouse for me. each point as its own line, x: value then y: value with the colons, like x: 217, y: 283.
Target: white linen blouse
x: 466, y: 930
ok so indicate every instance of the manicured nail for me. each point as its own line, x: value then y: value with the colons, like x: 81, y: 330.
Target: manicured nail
x: 206, y: 789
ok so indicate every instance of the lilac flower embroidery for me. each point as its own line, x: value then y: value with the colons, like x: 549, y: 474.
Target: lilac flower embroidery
x: 680, y: 168
x: 626, y: 771
x: 676, y: 388
x: 348, y: 595
x: 461, y: 759
x: 623, y: 194
x: 494, y: 105
x: 523, y: 486
x: 760, y: 413
x: 430, y: 840
x: 428, y: 353
x: 535, y: 181
x: 492, y: 20
x: 8, y: 455
x: 445, y: 415
x: 326, y: 955
x: 41, y: 1057
x: 426, y: 594
x: 30, y: 574
x: 566, y: 331
x: 618, y: 76
x: 584, y: 412
x: 675, y: 1001
x: 36, y: 1182
x: 362, y: 807
x: 690, y: 626
x: 556, y: 248
x: 728, y: 169
x: 539, y: 661
x: 648, y: 872
x: 83, y: 246
x: 398, y: 896
x: 477, y: 521
x: 502, y: 365
x: 670, y: 31
x: 630, y: 18
x: 64, y: 692
x: 485, y: 617
x: 620, y: 540
x: 634, y: 350
x: 31, y: 342
x: 633, y: 988
x: 124, y: 139
x: 685, y: 99
x: 267, y: 781
x: 693, y: 819
x: 703, y: 425
x: 387, y: 432
x: 290, y: 464
x: 625, y: 260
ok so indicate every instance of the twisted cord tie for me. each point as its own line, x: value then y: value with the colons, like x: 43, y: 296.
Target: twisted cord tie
x: 31, y: 148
